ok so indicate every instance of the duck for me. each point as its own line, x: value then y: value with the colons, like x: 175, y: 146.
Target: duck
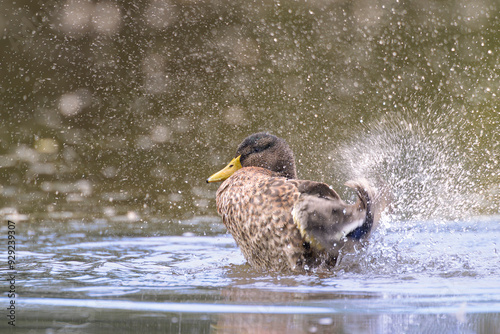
x: 282, y: 223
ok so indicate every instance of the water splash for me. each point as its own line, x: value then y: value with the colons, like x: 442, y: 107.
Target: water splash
x: 438, y: 170
x: 430, y: 165
x: 419, y: 250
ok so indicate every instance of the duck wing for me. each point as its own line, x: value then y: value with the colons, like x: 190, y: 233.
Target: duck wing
x: 326, y: 221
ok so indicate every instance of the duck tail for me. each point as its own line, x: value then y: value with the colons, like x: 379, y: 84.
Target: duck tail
x: 366, y: 197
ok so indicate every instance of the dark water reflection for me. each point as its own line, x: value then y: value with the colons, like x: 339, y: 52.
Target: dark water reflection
x: 134, y: 104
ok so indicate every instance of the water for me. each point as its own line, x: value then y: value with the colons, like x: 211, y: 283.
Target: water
x: 113, y: 114
x: 188, y: 276
x: 426, y: 168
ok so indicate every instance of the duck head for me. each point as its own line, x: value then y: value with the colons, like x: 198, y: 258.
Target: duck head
x: 260, y: 150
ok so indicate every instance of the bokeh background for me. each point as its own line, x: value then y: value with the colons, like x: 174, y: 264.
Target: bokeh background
x: 113, y: 113
x: 125, y: 107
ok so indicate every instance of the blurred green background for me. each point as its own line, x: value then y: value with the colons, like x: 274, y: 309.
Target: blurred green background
x: 125, y: 107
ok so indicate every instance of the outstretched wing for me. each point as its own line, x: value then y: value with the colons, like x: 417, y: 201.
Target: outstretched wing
x: 325, y: 220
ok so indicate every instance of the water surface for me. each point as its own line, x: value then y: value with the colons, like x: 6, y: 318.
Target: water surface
x: 114, y: 113
x: 189, y: 276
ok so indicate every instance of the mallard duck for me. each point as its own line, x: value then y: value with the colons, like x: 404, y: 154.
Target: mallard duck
x: 281, y: 223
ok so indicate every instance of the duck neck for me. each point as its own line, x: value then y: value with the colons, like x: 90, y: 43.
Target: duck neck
x: 286, y: 169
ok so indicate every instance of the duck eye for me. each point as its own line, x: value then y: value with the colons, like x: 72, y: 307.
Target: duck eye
x: 230, y: 166
x: 261, y: 148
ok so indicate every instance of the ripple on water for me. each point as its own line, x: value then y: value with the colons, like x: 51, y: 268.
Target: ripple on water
x: 409, y: 269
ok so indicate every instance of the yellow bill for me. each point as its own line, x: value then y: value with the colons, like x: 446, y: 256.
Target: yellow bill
x: 227, y: 171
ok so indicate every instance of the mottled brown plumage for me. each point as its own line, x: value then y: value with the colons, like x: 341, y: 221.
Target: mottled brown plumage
x: 281, y: 223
